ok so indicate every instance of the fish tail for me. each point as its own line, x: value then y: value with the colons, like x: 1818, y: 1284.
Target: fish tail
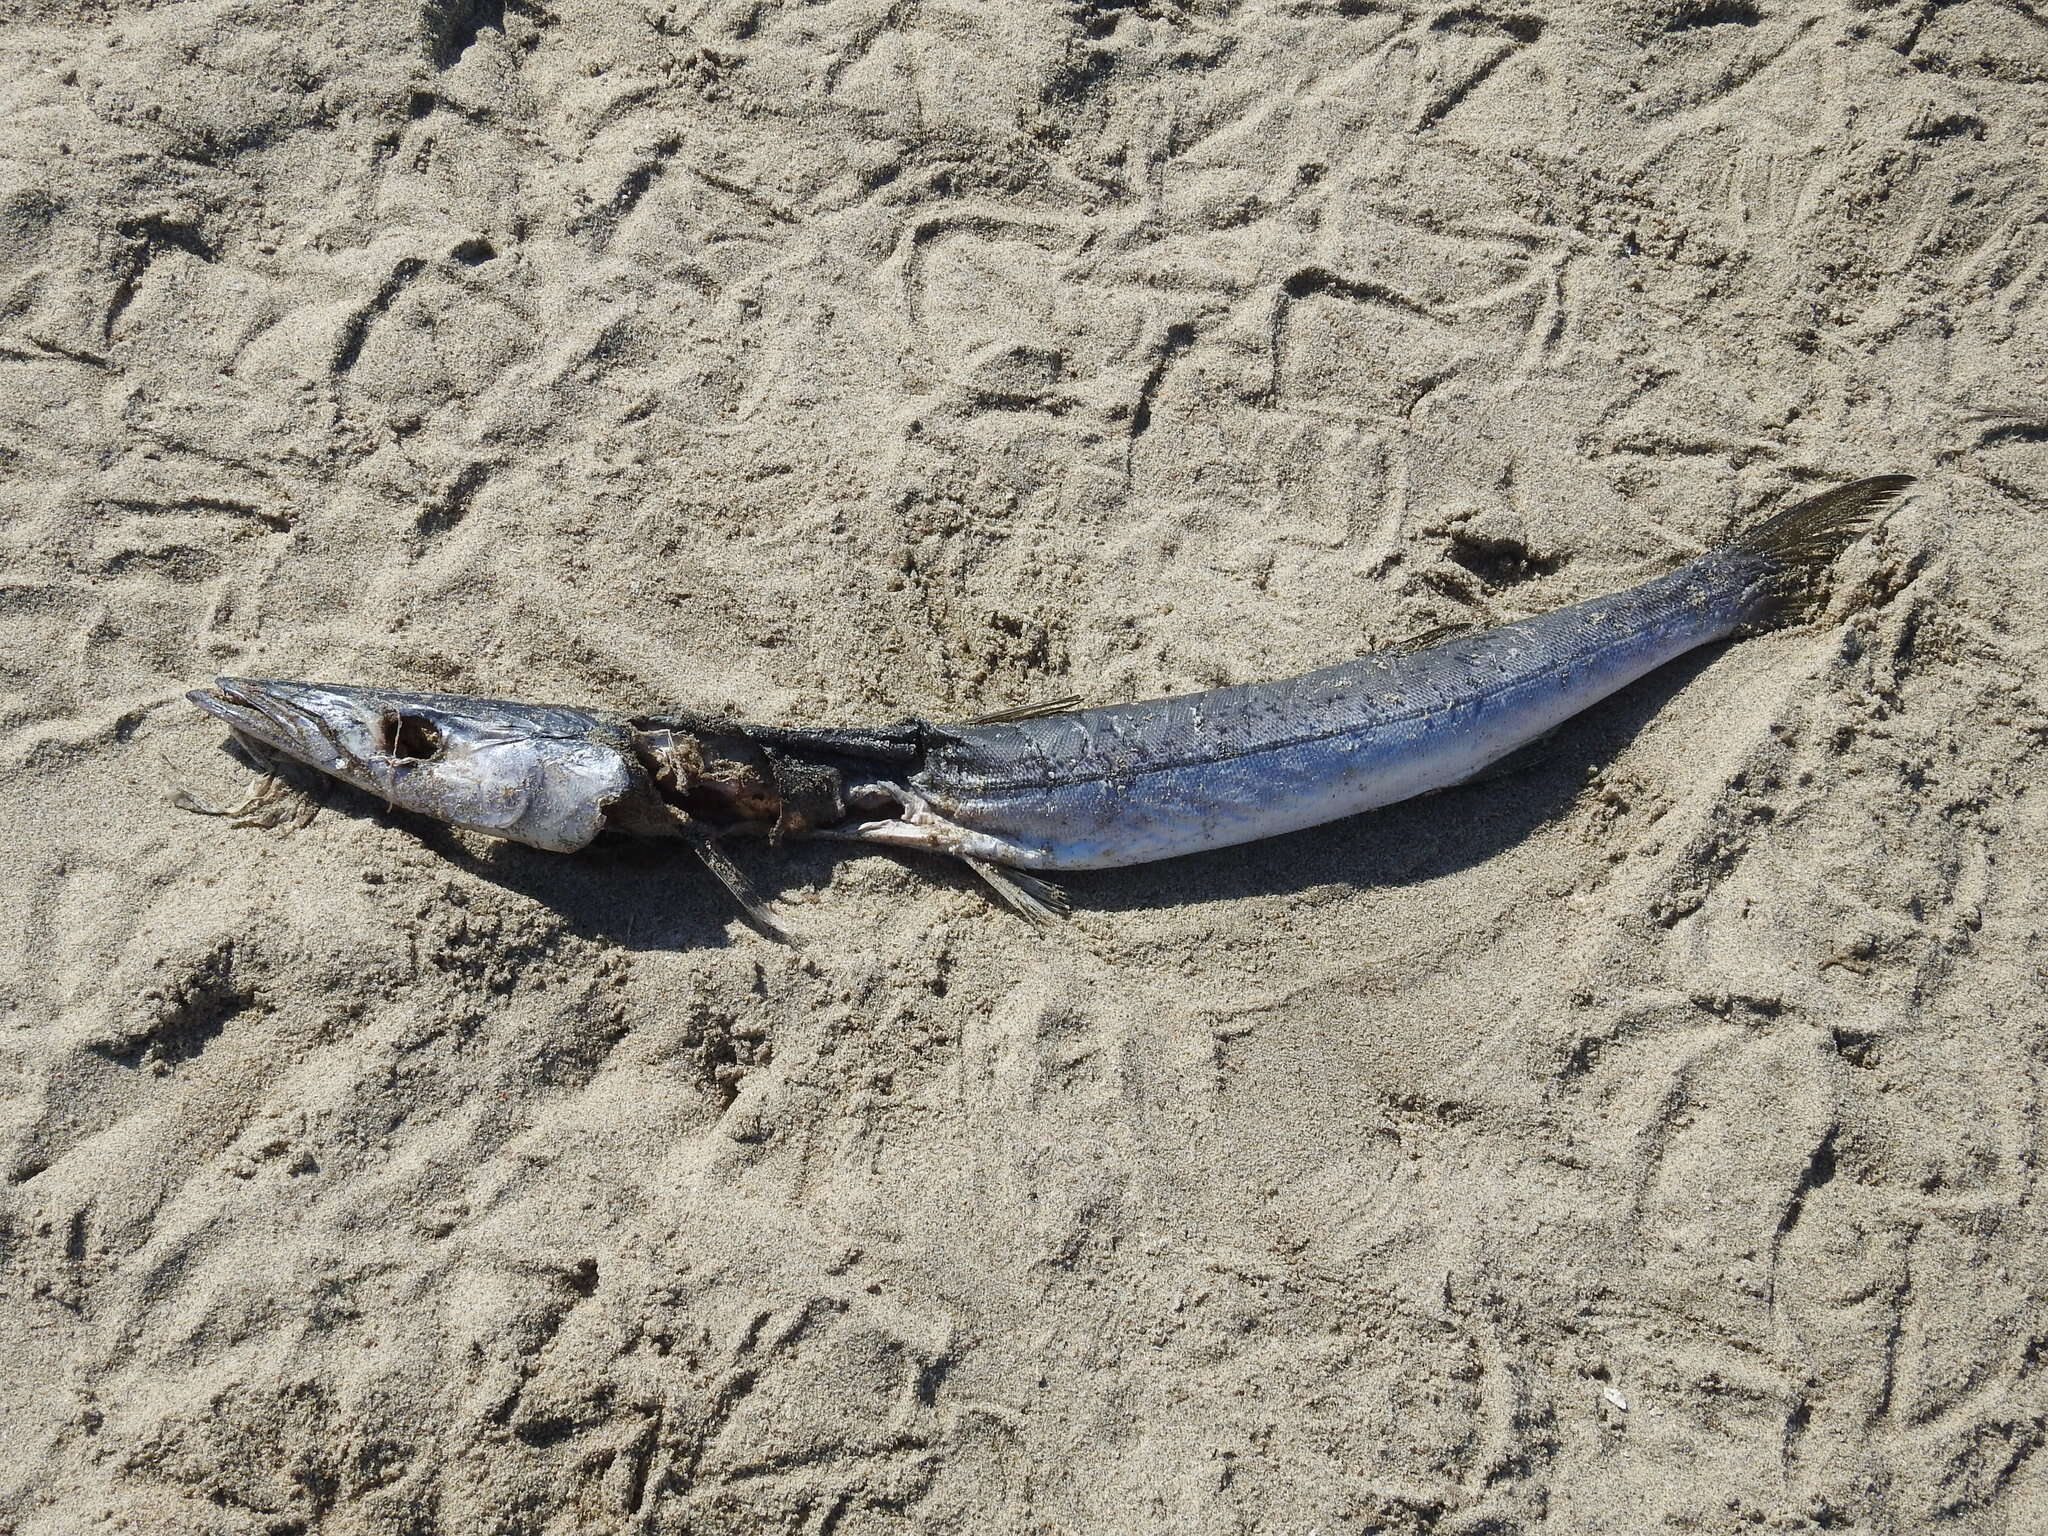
x: 1794, y: 549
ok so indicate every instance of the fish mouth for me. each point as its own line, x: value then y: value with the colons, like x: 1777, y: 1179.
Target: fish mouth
x: 262, y: 713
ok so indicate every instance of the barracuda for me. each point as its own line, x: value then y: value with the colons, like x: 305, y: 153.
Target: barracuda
x: 1055, y: 787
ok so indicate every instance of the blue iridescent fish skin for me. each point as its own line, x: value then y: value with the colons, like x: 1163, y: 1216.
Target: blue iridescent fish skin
x: 1127, y: 783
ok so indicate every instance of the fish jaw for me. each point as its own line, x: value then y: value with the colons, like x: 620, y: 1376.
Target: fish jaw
x: 543, y: 775
x: 271, y: 715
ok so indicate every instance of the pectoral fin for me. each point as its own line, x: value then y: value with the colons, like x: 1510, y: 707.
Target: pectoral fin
x: 732, y: 877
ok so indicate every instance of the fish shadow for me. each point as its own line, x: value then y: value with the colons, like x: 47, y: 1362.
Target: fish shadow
x: 654, y: 895
x: 641, y: 894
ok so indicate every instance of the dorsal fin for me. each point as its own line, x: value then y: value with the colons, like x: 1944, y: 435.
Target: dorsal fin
x: 1065, y: 704
x: 1427, y: 638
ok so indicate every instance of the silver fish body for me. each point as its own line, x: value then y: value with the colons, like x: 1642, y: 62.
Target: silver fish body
x: 1127, y: 783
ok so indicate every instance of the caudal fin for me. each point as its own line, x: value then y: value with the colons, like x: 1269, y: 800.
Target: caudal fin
x: 1797, y: 546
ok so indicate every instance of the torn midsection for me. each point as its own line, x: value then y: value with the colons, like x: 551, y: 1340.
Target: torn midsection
x: 725, y: 780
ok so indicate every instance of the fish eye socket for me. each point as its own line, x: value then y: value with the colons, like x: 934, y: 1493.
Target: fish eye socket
x: 408, y: 738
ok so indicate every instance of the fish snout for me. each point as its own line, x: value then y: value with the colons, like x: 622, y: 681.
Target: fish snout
x: 266, y: 712
x: 230, y: 699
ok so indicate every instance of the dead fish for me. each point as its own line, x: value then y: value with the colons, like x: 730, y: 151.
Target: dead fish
x: 1055, y: 786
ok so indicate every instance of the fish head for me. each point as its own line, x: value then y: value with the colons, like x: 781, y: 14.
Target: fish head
x: 540, y: 774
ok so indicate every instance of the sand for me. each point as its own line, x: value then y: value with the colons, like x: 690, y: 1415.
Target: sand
x: 1650, y: 1140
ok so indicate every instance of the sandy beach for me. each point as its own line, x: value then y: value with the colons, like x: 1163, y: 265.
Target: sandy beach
x: 1648, y: 1140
